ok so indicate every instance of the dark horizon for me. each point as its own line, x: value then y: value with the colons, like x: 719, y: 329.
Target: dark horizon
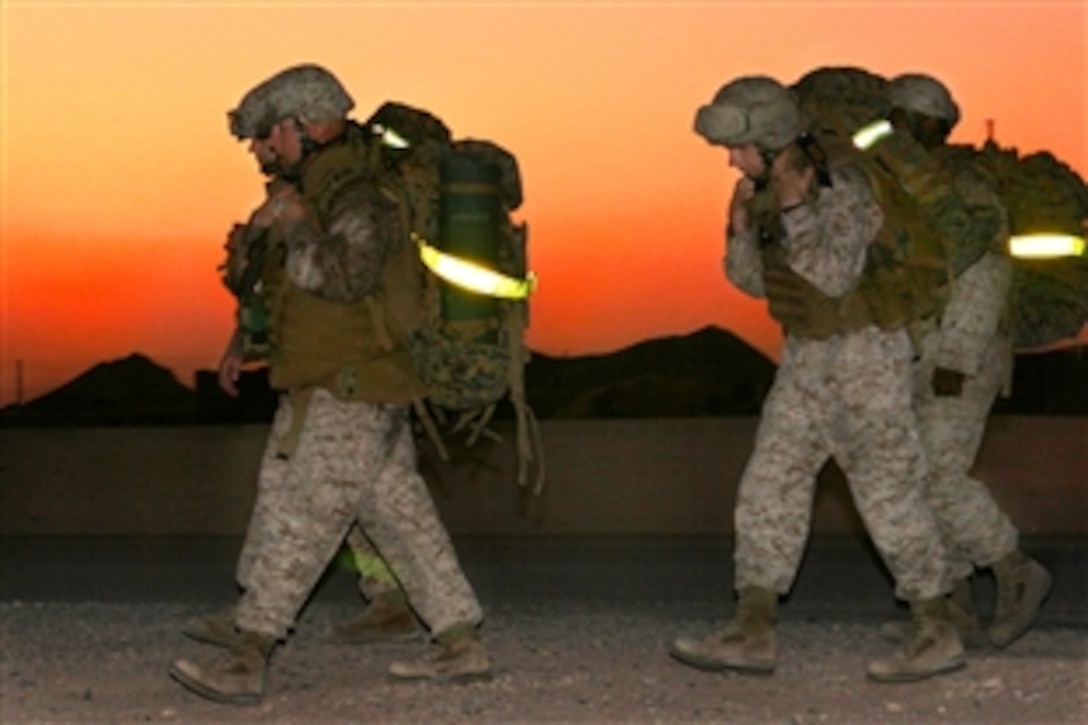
x: 705, y: 373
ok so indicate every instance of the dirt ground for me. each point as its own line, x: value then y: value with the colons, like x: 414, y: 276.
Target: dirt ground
x: 556, y: 662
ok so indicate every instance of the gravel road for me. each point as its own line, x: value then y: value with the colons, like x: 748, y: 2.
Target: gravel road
x: 577, y: 636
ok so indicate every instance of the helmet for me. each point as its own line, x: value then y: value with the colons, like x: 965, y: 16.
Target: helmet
x: 306, y: 92
x: 924, y: 95
x: 754, y: 109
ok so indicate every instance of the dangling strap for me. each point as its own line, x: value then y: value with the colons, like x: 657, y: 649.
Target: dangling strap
x: 528, y: 431
x: 299, y: 400
x: 476, y: 422
x: 427, y: 421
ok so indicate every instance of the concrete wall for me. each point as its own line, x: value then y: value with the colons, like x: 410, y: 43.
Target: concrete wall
x: 602, y: 477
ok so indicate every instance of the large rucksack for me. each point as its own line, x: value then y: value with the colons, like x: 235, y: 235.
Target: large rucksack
x: 468, y: 343
x: 1049, y: 300
x: 837, y: 101
x: 916, y: 252
x: 925, y: 215
x: 1042, y: 195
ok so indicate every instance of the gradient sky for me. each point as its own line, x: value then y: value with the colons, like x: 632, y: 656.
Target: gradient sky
x: 120, y: 179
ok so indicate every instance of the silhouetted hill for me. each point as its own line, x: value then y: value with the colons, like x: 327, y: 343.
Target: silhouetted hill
x: 706, y: 373
x: 709, y: 372
x: 130, y: 391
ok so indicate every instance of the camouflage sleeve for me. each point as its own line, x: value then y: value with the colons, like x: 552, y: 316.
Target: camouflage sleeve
x: 744, y: 263
x: 973, y: 314
x: 827, y: 239
x: 345, y: 261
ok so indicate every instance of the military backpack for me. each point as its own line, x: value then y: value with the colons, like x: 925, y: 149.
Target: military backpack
x: 931, y: 233
x: 467, y: 339
x: 1045, y: 200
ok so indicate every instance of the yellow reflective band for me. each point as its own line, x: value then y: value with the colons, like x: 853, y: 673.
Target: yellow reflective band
x: 389, y: 137
x: 475, y: 277
x: 1046, y: 246
x: 372, y: 566
x: 867, y: 136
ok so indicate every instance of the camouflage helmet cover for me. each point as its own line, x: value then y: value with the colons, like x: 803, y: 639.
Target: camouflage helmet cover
x: 925, y: 95
x: 307, y: 92
x: 752, y: 109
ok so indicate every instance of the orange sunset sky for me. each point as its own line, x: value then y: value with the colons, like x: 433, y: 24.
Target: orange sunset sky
x: 120, y: 179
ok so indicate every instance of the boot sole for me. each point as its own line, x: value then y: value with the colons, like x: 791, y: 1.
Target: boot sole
x: 708, y: 665
x: 216, y: 640
x: 208, y: 638
x: 462, y: 679
x: 398, y: 637
x: 973, y: 640
x: 209, y: 693
x: 1002, y: 642
x: 952, y: 666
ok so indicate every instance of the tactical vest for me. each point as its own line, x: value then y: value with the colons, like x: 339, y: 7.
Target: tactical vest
x: 927, y: 239
x: 348, y: 348
x: 799, y: 306
x: 906, y: 272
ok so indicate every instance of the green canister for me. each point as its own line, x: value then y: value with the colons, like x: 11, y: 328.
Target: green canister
x: 469, y: 216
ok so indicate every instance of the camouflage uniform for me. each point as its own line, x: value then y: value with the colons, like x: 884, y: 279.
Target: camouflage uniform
x: 966, y: 357
x: 841, y: 390
x: 968, y: 338
x: 375, y: 576
x: 355, y: 461
x: 375, y: 579
x: 848, y: 397
x: 341, y: 451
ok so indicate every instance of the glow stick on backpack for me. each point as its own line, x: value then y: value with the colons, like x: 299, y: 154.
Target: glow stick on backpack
x: 1046, y: 246
x: 475, y: 277
x: 869, y: 135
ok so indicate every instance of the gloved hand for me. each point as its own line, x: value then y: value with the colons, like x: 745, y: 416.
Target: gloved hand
x: 948, y: 383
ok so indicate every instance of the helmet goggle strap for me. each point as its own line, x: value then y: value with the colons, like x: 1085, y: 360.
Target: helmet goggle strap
x: 306, y: 144
x: 815, y: 153
x: 767, y: 156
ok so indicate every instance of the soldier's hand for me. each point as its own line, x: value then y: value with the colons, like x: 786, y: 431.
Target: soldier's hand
x: 230, y: 366
x: 948, y: 383
x: 281, y: 208
x: 738, y: 210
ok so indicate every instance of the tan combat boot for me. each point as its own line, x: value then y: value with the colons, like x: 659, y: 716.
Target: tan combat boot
x: 746, y: 643
x: 934, y: 647
x: 387, y: 618
x: 237, y: 678
x: 961, y: 611
x: 216, y: 628
x: 1022, y: 586
x: 458, y: 655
